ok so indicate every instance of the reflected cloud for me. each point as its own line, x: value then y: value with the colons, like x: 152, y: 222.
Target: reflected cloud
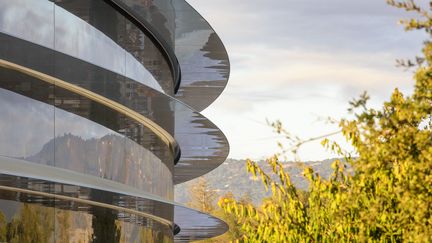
x: 34, y: 14
x: 74, y: 37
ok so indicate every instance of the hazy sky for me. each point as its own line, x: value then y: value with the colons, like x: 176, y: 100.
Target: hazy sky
x: 302, y: 60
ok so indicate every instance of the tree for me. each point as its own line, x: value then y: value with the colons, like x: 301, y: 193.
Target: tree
x: 202, y: 196
x: 387, y: 195
x: 234, y: 231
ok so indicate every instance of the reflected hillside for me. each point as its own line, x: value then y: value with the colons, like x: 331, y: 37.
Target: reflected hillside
x: 110, y: 157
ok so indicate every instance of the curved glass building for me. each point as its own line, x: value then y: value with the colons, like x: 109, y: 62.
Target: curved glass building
x: 100, y: 106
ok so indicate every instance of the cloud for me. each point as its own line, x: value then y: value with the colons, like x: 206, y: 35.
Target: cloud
x: 340, y: 24
x: 297, y: 60
x: 27, y: 125
x: 283, y: 74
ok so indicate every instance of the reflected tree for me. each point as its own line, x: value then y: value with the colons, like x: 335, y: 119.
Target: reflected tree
x: 3, y: 227
x: 63, y: 225
x: 33, y: 224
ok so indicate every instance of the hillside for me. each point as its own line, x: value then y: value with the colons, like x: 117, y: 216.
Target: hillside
x: 232, y: 176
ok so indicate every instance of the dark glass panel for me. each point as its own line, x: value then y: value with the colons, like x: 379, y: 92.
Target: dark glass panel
x: 204, y: 146
x: 107, y: 20
x: 202, y: 57
x: 40, y: 220
x: 103, y: 192
x: 89, y: 143
x: 196, y: 226
x: 97, y: 33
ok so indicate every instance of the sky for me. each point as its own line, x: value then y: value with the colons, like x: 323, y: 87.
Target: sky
x: 301, y: 61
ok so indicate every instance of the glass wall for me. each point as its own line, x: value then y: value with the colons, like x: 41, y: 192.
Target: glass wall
x: 204, y: 146
x: 90, y: 30
x: 103, y: 144
x: 42, y: 220
x: 201, y: 54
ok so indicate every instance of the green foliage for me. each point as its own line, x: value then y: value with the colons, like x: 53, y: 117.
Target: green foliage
x: 387, y: 195
x: 234, y: 231
x: 202, y: 198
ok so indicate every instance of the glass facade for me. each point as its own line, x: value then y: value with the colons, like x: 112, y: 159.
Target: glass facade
x: 91, y: 31
x: 200, y: 53
x: 93, y: 136
x: 39, y: 219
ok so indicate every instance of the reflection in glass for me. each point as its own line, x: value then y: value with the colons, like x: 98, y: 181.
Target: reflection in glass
x: 122, y: 47
x: 16, y: 140
x: 40, y: 223
x: 78, y: 144
x: 202, y: 57
x: 88, y: 43
x: 77, y: 38
x: 29, y: 20
x: 138, y: 49
x: 49, y: 25
x: 203, y: 146
x: 25, y: 222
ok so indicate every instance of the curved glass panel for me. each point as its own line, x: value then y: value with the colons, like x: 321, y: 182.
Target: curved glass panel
x: 30, y: 20
x: 40, y: 220
x: 82, y: 91
x: 202, y: 57
x: 25, y: 175
x: 96, y: 34
x: 37, y: 132
x: 195, y: 226
x: 142, y: 99
x: 40, y: 193
x: 138, y: 48
x: 203, y: 145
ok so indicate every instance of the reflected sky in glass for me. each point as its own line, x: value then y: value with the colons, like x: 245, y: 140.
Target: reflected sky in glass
x: 72, y: 36
x: 30, y: 131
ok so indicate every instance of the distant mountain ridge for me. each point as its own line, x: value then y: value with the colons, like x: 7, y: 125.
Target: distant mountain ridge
x: 232, y: 176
